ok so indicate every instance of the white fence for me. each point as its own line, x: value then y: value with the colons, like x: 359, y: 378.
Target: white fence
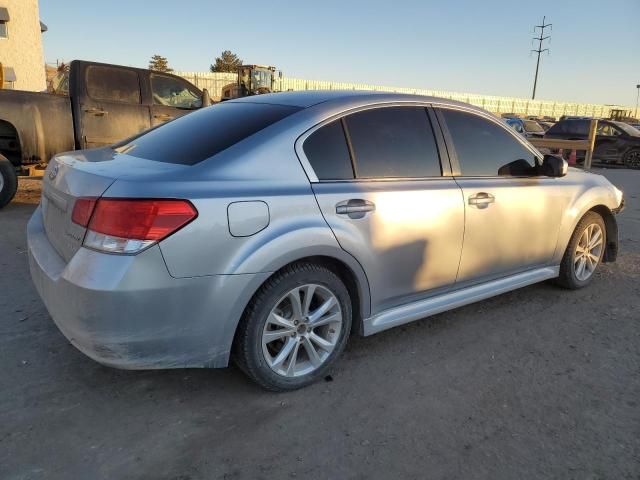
x: 214, y: 82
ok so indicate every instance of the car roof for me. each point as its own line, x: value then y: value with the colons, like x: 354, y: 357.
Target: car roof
x: 309, y: 98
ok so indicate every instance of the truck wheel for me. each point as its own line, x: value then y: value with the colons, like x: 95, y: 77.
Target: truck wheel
x: 8, y: 181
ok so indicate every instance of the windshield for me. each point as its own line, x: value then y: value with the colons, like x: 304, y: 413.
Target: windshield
x: 531, y: 126
x: 261, y: 80
x: 60, y: 83
x: 628, y: 129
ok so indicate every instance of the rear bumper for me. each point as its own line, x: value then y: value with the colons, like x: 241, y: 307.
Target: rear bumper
x: 128, y: 312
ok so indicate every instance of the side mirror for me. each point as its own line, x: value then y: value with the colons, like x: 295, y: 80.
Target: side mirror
x: 206, y: 99
x: 554, y: 166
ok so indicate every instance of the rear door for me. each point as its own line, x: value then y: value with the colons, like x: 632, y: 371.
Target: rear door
x: 381, y: 188
x: 172, y: 97
x: 111, y: 108
x: 512, y: 215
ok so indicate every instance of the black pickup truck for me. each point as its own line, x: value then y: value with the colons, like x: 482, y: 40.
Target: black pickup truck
x: 90, y: 105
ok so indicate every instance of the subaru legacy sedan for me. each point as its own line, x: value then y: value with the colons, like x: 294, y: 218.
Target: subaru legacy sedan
x: 270, y: 229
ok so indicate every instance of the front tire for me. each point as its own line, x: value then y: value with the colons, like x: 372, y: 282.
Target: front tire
x: 584, y: 252
x: 294, y: 328
x: 8, y: 181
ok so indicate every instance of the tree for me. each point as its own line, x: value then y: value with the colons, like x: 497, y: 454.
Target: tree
x: 159, y: 64
x: 226, y: 62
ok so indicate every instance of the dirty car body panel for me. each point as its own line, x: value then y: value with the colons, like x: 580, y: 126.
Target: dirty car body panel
x: 261, y: 206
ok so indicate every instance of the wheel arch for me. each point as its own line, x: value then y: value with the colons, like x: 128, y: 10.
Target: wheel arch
x: 611, y: 226
x: 12, y: 152
x: 349, y: 271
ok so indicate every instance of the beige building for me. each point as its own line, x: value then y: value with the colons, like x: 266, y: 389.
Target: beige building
x: 21, y: 53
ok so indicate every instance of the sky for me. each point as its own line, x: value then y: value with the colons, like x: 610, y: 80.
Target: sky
x: 464, y: 46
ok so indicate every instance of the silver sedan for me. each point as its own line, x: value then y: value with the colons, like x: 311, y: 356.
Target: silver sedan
x: 269, y: 229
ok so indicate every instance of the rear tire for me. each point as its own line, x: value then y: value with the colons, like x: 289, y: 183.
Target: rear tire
x: 631, y: 159
x: 8, y: 181
x: 283, y: 347
x: 584, y: 252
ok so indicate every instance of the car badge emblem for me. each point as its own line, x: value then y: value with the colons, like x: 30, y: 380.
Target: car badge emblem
x: 54, y: 172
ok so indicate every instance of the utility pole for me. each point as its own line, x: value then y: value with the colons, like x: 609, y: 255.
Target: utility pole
x: 637, y: 98
x: 540, y: 39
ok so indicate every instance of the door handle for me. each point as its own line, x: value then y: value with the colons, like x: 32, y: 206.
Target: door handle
x: 355, y: 208
x: 481, y: 200
x: 99, y: 112
x: 163, y: 116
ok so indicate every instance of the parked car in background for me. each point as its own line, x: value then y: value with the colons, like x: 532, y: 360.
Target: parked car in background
x: 91, y: 105
x: 545, y: 125
x: 528, y: 128
x: 268, y: 229
x: 616, y: 142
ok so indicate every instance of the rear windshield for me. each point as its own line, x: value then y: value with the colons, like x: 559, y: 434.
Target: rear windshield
x: 627, y: 128
x: 570, y: 127
x: 202, y: 134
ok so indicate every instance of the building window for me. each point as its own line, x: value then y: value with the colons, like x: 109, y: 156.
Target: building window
x: 4, y: 29
x: 9, y: 75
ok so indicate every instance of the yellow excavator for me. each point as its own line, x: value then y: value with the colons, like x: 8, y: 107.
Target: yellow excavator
x: 252, y: 80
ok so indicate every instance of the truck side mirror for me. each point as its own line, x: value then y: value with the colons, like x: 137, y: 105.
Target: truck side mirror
x: 206, y: 99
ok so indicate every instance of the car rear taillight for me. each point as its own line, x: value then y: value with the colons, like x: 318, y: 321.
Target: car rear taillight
x: 82, y: 210
x: 131, y: 225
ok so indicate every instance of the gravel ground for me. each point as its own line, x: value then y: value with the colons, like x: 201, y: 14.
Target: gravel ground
x: 536, y: 383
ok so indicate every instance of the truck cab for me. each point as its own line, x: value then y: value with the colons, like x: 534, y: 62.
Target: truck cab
x: 89, y: 105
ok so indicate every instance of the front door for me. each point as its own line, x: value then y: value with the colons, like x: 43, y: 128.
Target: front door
x: 172, y: 97
x: 610, y: 143
x: 512, y: 215
x: 381, y: 190
x: 111, y: 110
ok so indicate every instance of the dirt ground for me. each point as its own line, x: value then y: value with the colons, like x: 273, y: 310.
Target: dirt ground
x: 536, y: 383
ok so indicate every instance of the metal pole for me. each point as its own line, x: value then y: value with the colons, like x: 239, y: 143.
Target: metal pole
x: 535, y: 79
x: 637, y: 97
x: 539, y: 50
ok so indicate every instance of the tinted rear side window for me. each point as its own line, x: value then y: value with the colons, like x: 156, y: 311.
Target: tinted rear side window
x: 327, y: 151
x: 393, y: 142
x: 115, y: 84
x: 485, y: 149
x: 206, y: 132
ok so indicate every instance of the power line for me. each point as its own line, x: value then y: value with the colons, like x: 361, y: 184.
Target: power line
x: 540, y: 39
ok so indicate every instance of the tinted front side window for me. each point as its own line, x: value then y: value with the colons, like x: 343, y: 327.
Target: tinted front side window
x: 206, y: 132
x: 117, y: 84
x: 393, y: 142
x: 327, y: 151
x: 485, y: 149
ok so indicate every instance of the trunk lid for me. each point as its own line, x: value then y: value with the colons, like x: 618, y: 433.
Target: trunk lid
x: 84, y: 173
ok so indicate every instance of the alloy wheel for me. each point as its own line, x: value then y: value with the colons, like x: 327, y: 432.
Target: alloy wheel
x: 588, y: 252
x: 302, y: 330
